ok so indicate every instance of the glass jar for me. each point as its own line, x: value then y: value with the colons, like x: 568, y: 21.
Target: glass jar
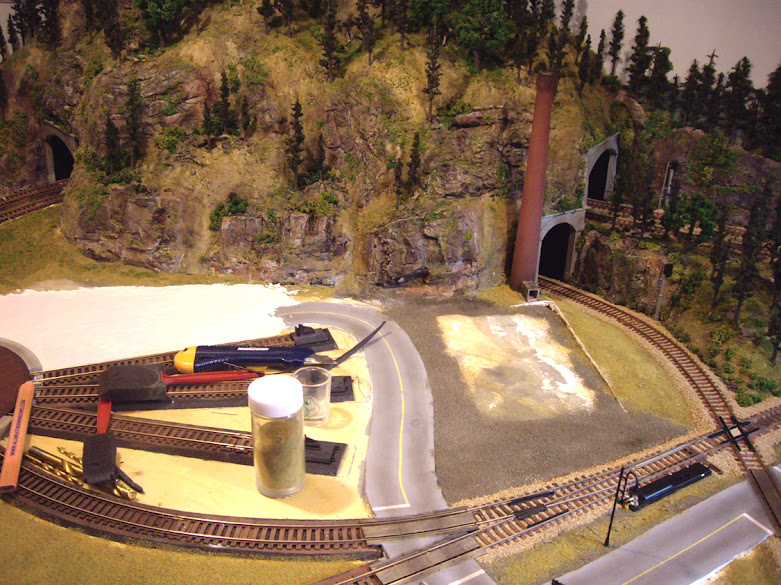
x: 276, y: 405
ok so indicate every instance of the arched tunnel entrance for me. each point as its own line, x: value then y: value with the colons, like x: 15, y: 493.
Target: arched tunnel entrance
x: 13, y: 373
x: 597, y: 178
x: 62, y: 159
x: 555, y: 251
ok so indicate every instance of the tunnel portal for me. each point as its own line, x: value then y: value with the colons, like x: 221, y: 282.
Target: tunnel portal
x: 555, y: 251
x: 597, y: 179
x: 62, y: 159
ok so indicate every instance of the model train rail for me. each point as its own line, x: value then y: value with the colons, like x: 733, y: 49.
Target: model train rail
x: 505, y: 522
x: 476, y: 530
x: 21, y: 202
x: 698, y: 377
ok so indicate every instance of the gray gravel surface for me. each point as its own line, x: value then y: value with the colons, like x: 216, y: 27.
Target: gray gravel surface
x: 477, y: 455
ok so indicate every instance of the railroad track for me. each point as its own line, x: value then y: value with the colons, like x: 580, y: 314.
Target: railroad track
x: 21, y: 202
x: 468, y: 532
x: 514, y: 521
x: 699, y: 378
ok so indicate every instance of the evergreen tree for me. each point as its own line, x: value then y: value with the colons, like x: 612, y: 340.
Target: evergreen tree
x: 568, y: 7
x: 161, y: 16
x: 287, y: 8
x: 27, y: 19
x: 13, y: 35
x: 751, y: 246
x: 698, y: 210
x: 481, y: 28
x: 774, y: 332
x: 705, y: 95
x: 555, y: 52
x: 769, y: 117
x: 401, y: 19
x: 295, y: 144
x: 739, y: 90
x: 266, y: 11
x: 112, y: 28
x: 433, y: 67
x: 546, y: 14
x: 638, y: 184
x: 640, y: 59
x: 586, y: 68
x: 599, y: 58
x: 690, y: 105
x: 245, y: 115
x: 90, y: 17
x: 714, y: 107
x: 672, y: 220
x: 223, y: 106
x: 658, y: 89
x: 113, y: 148
x: 523, y: 43
x: 775, y: 255
x: 3, y: 96
x: 616, y: 41
x: 208, y: 124
x: 581, y: 39
x: 427, y: 13
x: 3, y: 45
x: 314, y: 8
x: 366, y: 24
x: 319, y: 166
x: 413, y: 170
x: 398, y: 182
x: 329, y: 43
x: 134, y: 111
x: 50, y: 29
x: 719, y: 255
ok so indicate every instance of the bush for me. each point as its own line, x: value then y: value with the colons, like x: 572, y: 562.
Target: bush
x: 235, y: 205
x: 322, y: 206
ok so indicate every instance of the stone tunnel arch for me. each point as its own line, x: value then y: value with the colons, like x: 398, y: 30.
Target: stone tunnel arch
x: 558, y: 236
x: 601, y: 169
x: 16, y: 365
x: 62, y: 159
x: 554, y: 251
x: 59, y: 148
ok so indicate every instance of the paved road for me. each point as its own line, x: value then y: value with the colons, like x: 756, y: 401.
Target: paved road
x: 400, y: 476
x: 687, y: 548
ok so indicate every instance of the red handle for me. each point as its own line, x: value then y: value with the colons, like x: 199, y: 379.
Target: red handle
x: 210, y: 377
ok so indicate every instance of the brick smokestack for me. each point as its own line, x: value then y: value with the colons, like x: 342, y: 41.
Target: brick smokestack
x: 527, y: 239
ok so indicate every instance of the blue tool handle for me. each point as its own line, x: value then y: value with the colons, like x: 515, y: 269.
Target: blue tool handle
x: 217, y: 357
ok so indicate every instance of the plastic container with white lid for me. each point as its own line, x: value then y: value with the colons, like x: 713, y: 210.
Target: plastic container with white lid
x: 276, y: 404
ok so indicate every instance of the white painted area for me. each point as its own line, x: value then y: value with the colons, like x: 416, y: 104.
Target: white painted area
x: 514, y: 367
x: 87, y: 325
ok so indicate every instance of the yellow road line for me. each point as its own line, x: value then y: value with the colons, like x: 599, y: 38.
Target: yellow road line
x: 688, y: 548
x: 401, y: 389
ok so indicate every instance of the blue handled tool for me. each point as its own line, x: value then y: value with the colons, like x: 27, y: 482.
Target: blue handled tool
x: 203, y: 358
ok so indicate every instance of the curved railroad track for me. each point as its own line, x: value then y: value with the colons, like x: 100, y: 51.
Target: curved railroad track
x: 21, y: 202
x: 476, y: 530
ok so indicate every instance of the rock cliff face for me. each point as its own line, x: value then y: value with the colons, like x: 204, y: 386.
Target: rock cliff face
x: 618, y: 270
x: 447, y: 222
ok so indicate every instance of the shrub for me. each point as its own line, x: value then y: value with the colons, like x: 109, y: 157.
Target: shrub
x: 234, y: 205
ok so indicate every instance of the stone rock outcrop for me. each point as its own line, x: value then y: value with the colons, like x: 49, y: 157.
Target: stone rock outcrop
x: 618, y: 270
x: 464, y: 250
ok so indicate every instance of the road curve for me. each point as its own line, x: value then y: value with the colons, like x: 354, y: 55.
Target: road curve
x: 400, y: 476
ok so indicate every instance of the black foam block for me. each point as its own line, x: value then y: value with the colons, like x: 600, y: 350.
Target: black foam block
x: 99, y: 458
x: 132, y: 383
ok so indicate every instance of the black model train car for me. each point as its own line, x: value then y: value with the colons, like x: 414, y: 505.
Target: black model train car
x: 642, y: 495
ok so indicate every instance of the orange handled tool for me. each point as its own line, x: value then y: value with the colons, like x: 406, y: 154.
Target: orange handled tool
x: 9, y: 476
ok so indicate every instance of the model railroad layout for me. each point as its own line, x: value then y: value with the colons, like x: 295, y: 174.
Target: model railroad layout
x: 21, y: 202
x: 467, y: 532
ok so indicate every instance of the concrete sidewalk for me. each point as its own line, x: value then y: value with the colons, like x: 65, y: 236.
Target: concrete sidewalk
x: 686, y: 549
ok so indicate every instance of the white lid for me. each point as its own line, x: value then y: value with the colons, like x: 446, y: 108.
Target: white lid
x: 275, y: 396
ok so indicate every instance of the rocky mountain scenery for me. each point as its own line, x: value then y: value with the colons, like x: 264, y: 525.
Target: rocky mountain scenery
x: 350, y: 144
